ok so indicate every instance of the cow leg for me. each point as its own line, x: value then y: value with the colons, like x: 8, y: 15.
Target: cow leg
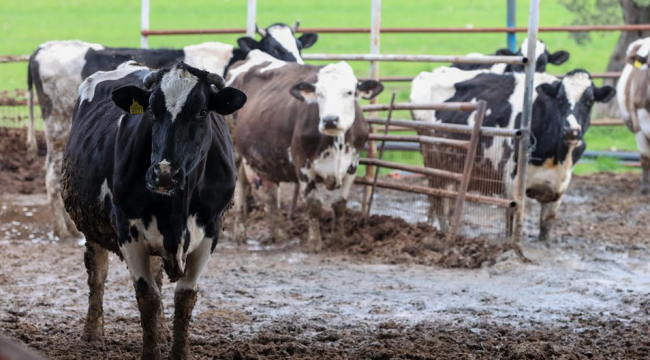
x: 643, y: 144
x: 57, y: 129
x: 272, y: 212
x: 158, y: 269
x: 240, y: 206
x: 338, y: 222
x: 314, y: 240
x: 547, y: 218
x: 185, y: 299
x: 96, y: 261
x: 136, y: 256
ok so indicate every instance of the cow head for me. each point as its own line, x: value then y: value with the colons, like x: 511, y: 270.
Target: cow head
x: 572, y: 99
x: 336, y: 92
x: 178, y: 103
x: 542, y: 56
x: 279, y: 41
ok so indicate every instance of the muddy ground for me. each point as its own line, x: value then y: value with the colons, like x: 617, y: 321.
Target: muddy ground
x: 390, y: 292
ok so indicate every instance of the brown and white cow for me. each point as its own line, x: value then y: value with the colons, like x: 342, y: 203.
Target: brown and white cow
x: 303, y: 125
x: 633, y: 93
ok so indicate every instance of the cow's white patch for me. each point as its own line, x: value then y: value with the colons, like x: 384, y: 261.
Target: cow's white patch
x: 285, y: 37
x: 335, y: 93
x: 119, y: 120
x: 549, y: 176
x: 642, y: 143
x: 437, y: 87
x: 151, y: 234
x: 540, y: 48
x: 196, y: 262
x: 333, y: 163
x: 644, y: 49
x: 87, y: 87
x: 573, y: 123
x: 488, y: 112
x: 254, y: 58
x: 621, y: 93
x: 136, y: 255
x: 176, y: 85
x: 197, y: 233
x: 103, y: 191
x: 209, y: 56
x: 60, y: 64
x: 575, y: 85
x: 329, y: 197
x: 644, y: 121
x: 165, y: 166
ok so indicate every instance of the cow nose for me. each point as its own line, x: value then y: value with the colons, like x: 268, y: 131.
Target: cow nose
x: 330, y: 122
x: 164, y: 174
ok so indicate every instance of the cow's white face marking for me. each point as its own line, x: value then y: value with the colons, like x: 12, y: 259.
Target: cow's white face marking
x: 176, y: 85
x: 254, y: 58
x: 540, y: 48
x: 575, y: 85
x: 335, y: 94
x: 165, y: 166
x: 87, y: 87
x: 573, y: 123
x: 286, y: 38
x: 209, y: 56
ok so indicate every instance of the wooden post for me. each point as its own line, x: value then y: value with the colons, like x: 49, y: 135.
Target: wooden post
x: 375, y: 25
x: 467, y: 171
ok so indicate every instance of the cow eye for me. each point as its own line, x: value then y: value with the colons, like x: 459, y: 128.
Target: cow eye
x: 203, y: 113
x: 350, y: 92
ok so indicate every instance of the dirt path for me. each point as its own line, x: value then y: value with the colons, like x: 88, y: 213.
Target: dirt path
x: 586, y: 296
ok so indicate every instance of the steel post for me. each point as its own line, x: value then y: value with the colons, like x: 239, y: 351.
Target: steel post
x: 144, y: 24
x: 251, y: 18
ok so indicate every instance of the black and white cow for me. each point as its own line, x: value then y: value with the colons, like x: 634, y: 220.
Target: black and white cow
x: 303, y: 124
x: 561, y: 116
x: 148, y: 172
x: 542, y: 58
x: 57, y: 68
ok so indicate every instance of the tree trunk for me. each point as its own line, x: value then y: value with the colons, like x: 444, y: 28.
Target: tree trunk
x: 632, y: 14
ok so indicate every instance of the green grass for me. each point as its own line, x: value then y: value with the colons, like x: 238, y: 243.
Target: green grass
x: 27, y: 24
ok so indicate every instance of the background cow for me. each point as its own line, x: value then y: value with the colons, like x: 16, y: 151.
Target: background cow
x: 542, y: 58
x: 149, y: 172
x: 57, y: 68
x: 633, y: 93
x: 561, y: 116
x: 313, y: 138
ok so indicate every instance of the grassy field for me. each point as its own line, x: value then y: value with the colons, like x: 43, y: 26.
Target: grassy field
x: 117, y: 23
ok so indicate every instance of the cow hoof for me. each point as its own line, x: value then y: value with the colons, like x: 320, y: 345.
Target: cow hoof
x: 151, y: 353
x: 544, y: 235
x: 93, y: 338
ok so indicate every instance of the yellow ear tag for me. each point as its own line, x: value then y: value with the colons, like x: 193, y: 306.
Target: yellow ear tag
x: 135, y: 108
x: 637, y: 64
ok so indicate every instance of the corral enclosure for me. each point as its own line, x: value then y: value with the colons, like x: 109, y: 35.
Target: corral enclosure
x: 392, y: 291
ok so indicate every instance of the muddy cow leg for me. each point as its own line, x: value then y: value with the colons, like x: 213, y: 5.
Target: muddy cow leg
x: 240, y: 206
x: 136, y: 256
x: 57, y: 129
x: 338, y: 222
x: 314, y: 240
x: 271, y: 190
x: 547, y: 218
x: 185, y: 299
x: 510, y: 222
x: 96, y: 261
x: 158, y: 269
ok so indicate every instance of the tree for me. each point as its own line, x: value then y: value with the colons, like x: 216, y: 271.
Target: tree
x: 610, y: 12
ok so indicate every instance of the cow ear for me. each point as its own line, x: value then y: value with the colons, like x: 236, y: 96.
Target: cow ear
x: 247, y: 44
x: 227, y: 100
x: 131, y: 99
x: 558, y: 57
x: 604, y: 94
x: 369, y: 89
x: 504, y: 52
x: 549, y: 90
x: 307, y: 40
x: 304, y: 91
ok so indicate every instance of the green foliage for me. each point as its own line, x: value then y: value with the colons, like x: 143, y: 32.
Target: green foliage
x: 591, y: 12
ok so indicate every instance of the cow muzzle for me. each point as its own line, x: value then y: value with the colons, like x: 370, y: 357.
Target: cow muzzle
x: 331, y: 125
x: 163, y: 179
x: 572, y: 137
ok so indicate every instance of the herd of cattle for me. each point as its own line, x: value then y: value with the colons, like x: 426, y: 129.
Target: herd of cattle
x: 146, y: 148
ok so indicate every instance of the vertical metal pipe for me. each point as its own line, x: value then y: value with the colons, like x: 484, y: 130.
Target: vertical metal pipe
x: 375, y: 25
x: 533, y: 24
x: 144, y: 23
x: 251, y: 18
x: 511, y: 23
x: 381, y: 153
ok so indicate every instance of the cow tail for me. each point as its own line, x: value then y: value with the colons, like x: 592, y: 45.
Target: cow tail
x: 32, y: 146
